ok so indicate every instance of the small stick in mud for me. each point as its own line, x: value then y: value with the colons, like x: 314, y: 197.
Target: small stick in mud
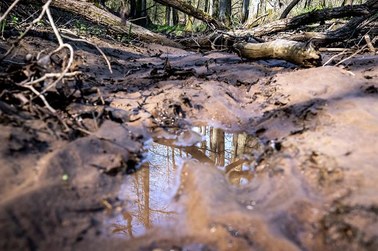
x: 369, y: 43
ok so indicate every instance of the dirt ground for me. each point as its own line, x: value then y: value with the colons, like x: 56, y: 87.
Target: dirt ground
x: 312, y: 175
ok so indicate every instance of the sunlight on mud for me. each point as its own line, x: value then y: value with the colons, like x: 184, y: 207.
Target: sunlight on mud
x: 150, y: 190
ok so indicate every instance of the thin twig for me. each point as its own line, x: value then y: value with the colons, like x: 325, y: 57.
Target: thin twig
x: 100, y: 95
x: 335, y: 56
x: 41, y: 97
x: 18, y: 40
x: 98, y: 48
x: 334, y: 50
x: 62, y: 45
x: 9, y: 10
x: 351, y: 56
x: 49, y: 75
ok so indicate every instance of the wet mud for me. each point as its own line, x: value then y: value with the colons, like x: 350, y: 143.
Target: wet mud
x: 197, y: 152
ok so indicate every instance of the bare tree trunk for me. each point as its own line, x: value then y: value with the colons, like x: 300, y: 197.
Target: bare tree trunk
x: 217, y: 146
x: 252, y: 11
x: 225, y: 12
x: 171, y: 16
x: 216, y: 8
x: 261, y: 7
x: 211, y: 8
x: 188, y: 19
x: 133, y: 8
x: 141, y: 13
x: 287, y: 10
x: 308, y: 3
x: 155, y: 13
x: 175, y: 17
x: 146, y: 219
x: 192, y: 11
x: 167, y: 20
x: 347, y: 2
x: 245, y: 8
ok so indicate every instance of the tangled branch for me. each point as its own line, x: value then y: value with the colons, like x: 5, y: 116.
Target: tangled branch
x: 30, y: 82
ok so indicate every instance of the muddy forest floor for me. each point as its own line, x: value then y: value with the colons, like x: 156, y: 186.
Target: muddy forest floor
x: 302, y: 176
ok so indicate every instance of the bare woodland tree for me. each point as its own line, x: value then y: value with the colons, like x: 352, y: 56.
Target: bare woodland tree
x: 225, y: 12
x: 291, y: 5
x: 347, y: 2
x: 253, y: 10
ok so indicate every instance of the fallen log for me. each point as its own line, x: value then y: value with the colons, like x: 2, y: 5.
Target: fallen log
x: 296, y: 52
x: 96, y: 15
x: 304, y: 19
x: 349, y: 30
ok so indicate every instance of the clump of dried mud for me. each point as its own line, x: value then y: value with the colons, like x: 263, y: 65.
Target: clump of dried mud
x: 316, y: 191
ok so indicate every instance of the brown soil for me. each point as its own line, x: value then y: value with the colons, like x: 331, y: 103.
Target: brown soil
x: 310, y: 143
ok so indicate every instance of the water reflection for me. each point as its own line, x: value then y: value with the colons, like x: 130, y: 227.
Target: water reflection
x: 231, y: 152
x: 149, y: 191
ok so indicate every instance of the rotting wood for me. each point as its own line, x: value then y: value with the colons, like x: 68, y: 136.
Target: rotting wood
x: 296, y: 52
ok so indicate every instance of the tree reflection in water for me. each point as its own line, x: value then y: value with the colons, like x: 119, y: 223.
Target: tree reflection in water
x: 149, y: 191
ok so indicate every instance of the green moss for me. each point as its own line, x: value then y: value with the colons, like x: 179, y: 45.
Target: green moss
x: 166, y: 29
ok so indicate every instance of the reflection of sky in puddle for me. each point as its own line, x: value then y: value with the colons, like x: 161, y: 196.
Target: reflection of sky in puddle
x: 212, y: 153
x: 149, y: 191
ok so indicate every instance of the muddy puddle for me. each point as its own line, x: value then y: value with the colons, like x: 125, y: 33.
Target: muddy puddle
x: 150, y: 191
x: 203, y: 188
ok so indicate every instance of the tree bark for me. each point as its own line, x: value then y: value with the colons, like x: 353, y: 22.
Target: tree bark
x: 167, y: 20
x: 287, y: 10
x: 347, y: 2
x: 252, y: 12
x: 97, y: 15
x: 211, y: 7
x: 141, y: 14
x: 192, y: 11
x: 292, y: 51
x: 225, y: 12
x: 175, y: 17
x: 245, y: 8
